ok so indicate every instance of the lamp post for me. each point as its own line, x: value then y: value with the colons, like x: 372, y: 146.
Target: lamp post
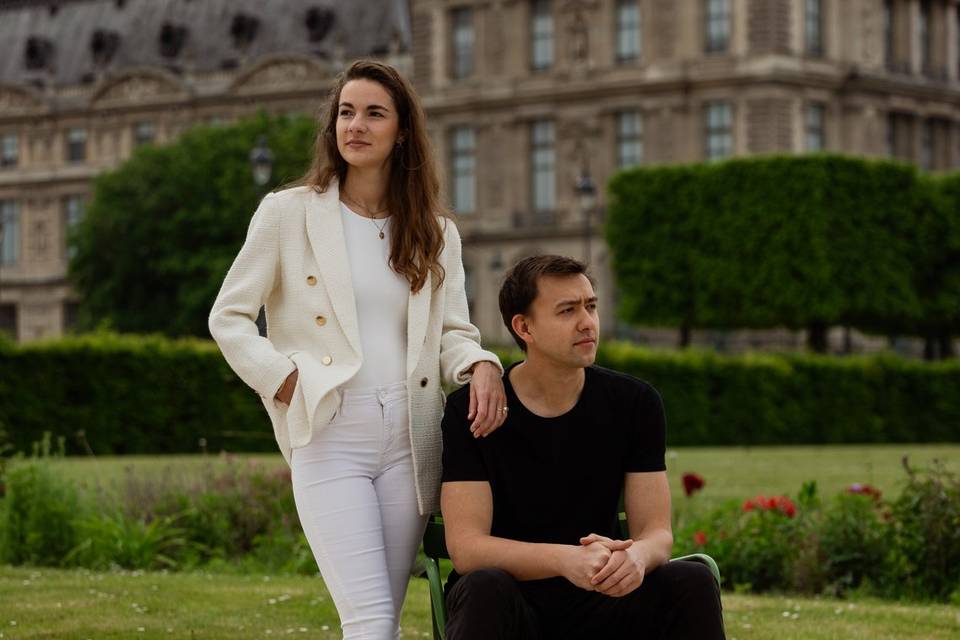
x: 587, y: 197
x: 261, y: 165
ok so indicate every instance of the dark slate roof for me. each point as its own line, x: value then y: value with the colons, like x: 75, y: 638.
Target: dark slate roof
x: 66, y: 30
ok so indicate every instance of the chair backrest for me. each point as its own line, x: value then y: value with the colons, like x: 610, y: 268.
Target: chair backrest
x: 434, y: 543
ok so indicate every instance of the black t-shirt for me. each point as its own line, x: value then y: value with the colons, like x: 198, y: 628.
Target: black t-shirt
x: 557, y: 479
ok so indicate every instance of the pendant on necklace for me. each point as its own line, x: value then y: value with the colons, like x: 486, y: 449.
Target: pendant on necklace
x: 381, y: 235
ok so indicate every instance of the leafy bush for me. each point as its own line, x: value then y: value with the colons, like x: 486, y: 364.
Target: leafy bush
x: 38, y: 516
x: 906, y: 548
x: 854, y: 539
x: 115, y: 540
x: 925, y: 556
x: 231, y: 510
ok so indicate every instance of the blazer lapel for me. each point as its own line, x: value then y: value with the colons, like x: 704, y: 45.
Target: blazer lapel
x: 325, y: 232
x: 418, y: 316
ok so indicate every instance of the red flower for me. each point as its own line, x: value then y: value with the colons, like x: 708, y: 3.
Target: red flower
x: 786, y: 506
x: 864, y: 490
x: 692, y: 482
x: 700, y: 538
x: 783, y: 504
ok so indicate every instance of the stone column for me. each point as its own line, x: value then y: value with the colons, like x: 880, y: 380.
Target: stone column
x: 951, y: 33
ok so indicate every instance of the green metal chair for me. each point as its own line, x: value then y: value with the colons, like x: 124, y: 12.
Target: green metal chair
x: 435, y: 548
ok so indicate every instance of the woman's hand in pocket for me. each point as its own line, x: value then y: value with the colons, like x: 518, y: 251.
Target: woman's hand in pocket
x: 285, y: 392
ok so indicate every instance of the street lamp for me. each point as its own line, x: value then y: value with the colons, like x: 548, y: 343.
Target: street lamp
x: 261, y: 165
x: 587, y: 197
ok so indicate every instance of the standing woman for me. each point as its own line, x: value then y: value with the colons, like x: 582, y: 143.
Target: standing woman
x: 361, y: 278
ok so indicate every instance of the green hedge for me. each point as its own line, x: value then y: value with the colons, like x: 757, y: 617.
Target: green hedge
x: 132, y: 394
x: 129, y: 394
x: 796, y: 241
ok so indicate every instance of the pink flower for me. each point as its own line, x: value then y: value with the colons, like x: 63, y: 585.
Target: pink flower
x: 700, y: 538
x: 692, y: 482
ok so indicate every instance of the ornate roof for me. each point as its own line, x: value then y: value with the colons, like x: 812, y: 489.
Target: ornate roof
x: 71, y: 42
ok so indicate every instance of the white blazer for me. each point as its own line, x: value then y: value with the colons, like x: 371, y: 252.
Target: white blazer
x: 294, y: 263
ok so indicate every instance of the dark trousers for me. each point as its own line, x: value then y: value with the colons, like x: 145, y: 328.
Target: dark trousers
x: 676, y: 600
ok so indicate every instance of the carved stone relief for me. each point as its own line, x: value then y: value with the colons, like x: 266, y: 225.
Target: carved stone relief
x: 279, y: 74
x: 579, y: 47
x: 40, y: 239
x: 138, y: 89
x: 16, y: 101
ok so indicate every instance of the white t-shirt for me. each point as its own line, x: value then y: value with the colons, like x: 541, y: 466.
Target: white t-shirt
x: 382, y: 296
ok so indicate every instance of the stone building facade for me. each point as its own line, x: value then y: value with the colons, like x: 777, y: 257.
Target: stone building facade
x: 524, y: 98
x: 84, y: 82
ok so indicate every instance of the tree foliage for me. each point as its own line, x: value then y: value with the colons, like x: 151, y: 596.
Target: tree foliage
x: 163, y: 228
x: 800, y: 241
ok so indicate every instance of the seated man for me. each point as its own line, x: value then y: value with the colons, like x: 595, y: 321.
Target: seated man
x: 531, y: 510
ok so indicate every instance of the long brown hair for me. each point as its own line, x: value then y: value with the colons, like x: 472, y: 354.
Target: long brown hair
x: 413, y: 192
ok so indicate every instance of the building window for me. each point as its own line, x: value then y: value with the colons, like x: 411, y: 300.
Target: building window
x: 463, y: 163
x: 900, y: 136
x: 9, y: 232
x: 815, y: 127
x: 889, y: 34
x: 144, y: 133
x: 8, y: 320
x: 629, y: 139
x: 926, y: 146
x: 719, y: 130
x: 541, y: 36
x: 923, y: 36
x: 543, y: 165
x: 73, y: 207
x: 629, y: 30
x: 813, y: 27
x: 9, y: 150
x: 463, y: 42
x: 76, y: 145
x: 71, y: 310
x: 717, y: 25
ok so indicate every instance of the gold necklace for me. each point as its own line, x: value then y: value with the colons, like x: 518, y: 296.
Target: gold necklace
x: 371, y: 215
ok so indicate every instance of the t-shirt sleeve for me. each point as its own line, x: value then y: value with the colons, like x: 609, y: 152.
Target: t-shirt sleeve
x: 462, y: 460
x: 649, y: 432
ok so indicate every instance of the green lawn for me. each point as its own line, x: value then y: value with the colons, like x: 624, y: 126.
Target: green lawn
x: 730, y: 472
x: 76, y: 605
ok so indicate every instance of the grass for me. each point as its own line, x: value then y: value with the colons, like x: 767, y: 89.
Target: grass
x: 76, y: 605
x: 730, y: 472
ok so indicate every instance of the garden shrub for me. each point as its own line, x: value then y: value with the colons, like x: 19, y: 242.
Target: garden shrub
x: 924, y: 560
x: 111, y: 540
x: 853, y: 537
x: 38, y: 516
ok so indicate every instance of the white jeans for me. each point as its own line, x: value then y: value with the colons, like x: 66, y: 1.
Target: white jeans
x: 354, y: 489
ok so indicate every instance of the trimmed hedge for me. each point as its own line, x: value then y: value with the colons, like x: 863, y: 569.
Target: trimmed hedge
x: 134, y: 394
x: 796, y: 241
x: 129, y: 394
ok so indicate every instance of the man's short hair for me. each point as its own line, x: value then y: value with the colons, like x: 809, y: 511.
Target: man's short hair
x: 519, y: 288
